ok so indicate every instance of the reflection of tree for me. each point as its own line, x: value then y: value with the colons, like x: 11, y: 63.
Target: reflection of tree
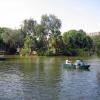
x: 27, y: 65
x: 38, y: 76
x: 98, y: 77
x: 43, y: 73
x: 53, y: 71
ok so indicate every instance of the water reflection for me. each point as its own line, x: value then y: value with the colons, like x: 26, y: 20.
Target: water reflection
x: 29, y: 79
x: 44, y: 78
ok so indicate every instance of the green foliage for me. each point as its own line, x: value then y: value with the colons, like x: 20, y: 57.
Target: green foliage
x: 28, y: 26
x: 51, y: 23
x: 28, y: 42
x: 50, y: 52
x: 96, y: 40
x: 24, y: 51
x: 46, y: 39
x: 1, y: 40
x: 77, y: 39
x: 40, y: 52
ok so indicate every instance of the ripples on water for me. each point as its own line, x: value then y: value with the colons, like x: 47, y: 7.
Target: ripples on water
x: 43, y: 78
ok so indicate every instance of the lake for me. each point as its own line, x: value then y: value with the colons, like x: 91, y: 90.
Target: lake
x: 45, y: 78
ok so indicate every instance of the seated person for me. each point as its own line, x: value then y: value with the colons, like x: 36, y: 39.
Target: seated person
x: 79, y: 63
x: 68, y: 62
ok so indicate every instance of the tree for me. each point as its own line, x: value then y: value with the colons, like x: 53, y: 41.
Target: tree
x: 52, y: 27
x: 55, y: 45
x: 41, y: 36
x: 96, y: 42
x: 12, y: 39
x: 51, y: 23
x: 69, y: 38
x: 28, y: 26
x: 1, y: 40
x: 76, y: 40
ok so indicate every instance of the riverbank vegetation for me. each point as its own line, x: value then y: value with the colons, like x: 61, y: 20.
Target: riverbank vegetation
x: 45, y: 38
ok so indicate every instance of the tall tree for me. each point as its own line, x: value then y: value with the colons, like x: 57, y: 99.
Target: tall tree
x: 2, y: 44
x: 29, y: 26
x: 51, y: 23
x: 77, y: 40
x: 12, y: 39
x: 52, y: 27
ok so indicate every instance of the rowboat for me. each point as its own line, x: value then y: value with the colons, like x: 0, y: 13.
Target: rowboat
x: 77, y: 65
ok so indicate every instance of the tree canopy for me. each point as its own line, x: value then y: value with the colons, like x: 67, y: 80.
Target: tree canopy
x: 45, y: 38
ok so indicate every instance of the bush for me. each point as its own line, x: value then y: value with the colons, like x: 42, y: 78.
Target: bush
x: 49, y: 52
x: 24, y: 51
x: 40, y: 52
x: 70, y: 52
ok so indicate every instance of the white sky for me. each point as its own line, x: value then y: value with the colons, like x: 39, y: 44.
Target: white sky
x: 74, y: 14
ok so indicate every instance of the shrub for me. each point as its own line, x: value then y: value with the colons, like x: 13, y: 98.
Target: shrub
x: 24, y: 51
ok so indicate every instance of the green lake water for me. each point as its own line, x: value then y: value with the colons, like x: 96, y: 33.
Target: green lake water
x: 45, y: 78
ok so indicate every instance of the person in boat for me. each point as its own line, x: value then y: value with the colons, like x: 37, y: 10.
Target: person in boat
x: 79, y: 63
x: 68, y: 62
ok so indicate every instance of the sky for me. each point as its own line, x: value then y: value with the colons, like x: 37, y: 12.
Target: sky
x: 74, y: 14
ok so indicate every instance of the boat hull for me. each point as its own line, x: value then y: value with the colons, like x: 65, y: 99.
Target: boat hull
x: 76, y: 67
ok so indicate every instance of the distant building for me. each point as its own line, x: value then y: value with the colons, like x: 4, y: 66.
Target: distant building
x: 93, y: 33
